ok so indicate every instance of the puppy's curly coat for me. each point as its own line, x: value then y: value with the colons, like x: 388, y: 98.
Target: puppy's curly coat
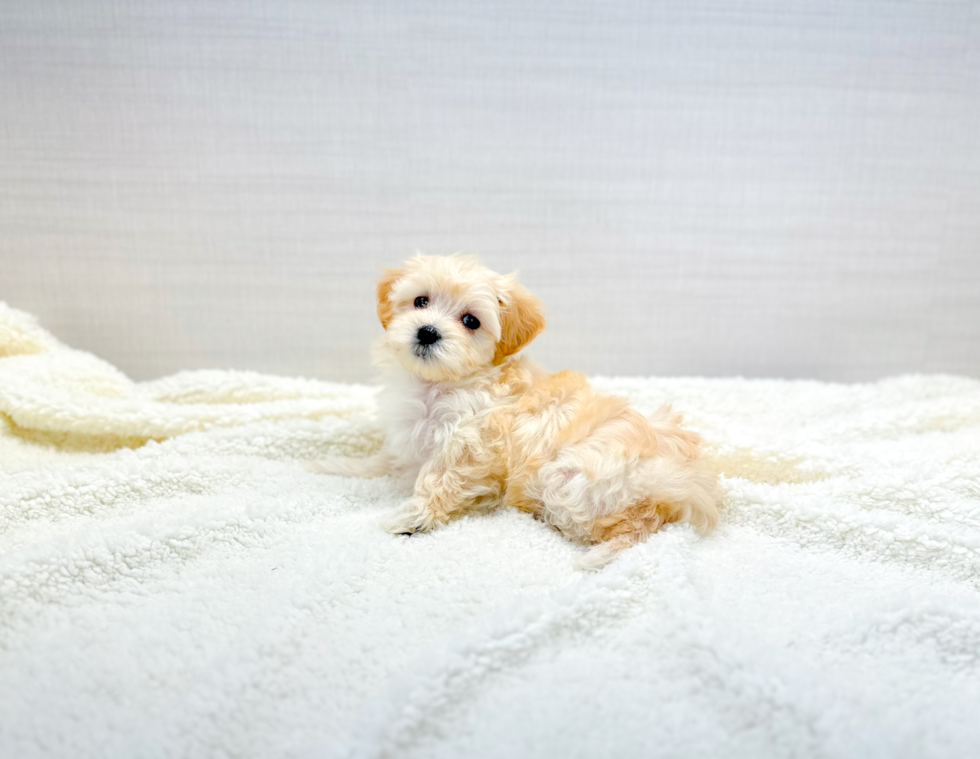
x: 471, y: 425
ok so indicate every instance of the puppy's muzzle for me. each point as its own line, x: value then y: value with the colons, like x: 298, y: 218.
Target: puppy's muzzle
x: 428, y: 335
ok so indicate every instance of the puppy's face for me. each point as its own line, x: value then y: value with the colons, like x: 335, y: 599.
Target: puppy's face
x: 445, y: 318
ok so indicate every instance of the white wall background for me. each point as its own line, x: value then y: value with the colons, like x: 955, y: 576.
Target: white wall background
x: 768, y: 187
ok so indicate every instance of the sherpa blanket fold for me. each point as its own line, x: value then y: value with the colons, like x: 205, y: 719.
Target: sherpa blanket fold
x: 174, y: 582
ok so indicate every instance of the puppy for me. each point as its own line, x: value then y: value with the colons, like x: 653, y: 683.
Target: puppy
x: 471, y: 425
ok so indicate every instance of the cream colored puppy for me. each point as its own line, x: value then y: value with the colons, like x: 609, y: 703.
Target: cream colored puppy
x: 471, y: 425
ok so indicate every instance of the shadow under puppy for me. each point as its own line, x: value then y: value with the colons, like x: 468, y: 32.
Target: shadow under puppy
x: 470, y: 425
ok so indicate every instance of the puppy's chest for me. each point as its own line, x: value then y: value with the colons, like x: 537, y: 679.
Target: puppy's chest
x: 430, y: 419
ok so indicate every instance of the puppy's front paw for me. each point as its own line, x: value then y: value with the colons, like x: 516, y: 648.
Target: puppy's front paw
x: 412, y: 516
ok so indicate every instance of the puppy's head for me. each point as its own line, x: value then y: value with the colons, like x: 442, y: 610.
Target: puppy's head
x: 445, y: 318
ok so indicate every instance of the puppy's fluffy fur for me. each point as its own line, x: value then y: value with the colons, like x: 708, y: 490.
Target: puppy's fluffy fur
x: 470, y: 425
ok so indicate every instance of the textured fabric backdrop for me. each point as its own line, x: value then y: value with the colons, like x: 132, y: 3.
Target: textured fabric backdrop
x: 766, y: 188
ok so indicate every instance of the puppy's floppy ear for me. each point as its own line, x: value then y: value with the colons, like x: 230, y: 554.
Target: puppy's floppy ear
x: 521, y: 318
x: 387, y: 281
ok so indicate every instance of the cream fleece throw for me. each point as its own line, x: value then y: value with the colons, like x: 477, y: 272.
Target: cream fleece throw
x: 173, y: 582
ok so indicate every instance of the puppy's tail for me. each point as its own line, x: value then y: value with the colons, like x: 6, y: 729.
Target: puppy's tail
x: 377, y: 465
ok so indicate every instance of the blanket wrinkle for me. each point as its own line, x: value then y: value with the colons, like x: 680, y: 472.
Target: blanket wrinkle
x: 174, y: 581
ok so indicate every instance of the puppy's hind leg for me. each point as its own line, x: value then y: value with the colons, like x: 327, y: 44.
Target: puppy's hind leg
x: 676, y: 491
x: 621, y: 530
x: 598, y: 556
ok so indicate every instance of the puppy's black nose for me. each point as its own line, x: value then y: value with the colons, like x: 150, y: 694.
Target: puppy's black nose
x: 428, y: 335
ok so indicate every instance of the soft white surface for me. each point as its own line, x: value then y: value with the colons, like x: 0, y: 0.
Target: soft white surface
x: 207, y: 596
x: 781, y: 188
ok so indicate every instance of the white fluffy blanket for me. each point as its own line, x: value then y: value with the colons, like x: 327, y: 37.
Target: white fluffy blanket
x: 173, y: 582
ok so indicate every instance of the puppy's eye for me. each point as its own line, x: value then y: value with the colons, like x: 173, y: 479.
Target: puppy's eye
x: 471, y: 322
x: 421, y: 302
